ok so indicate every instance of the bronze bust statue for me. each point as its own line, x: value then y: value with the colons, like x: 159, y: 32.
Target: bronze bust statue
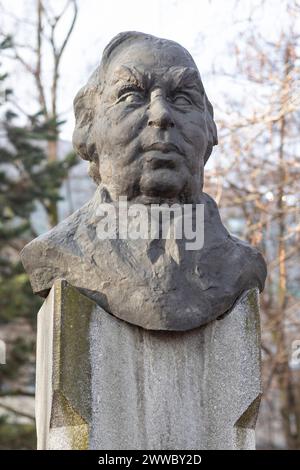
x: 146, y: 126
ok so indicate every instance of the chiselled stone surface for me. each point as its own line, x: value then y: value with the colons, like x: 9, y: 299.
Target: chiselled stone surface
x: 103, y: 383
x: 146, y: 125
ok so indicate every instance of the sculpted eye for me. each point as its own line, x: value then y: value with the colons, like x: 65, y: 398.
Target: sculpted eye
x: 130, y: 95
x: 132, y: 98
x: 180, y: 99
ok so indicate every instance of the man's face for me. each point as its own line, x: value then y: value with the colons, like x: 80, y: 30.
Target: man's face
x: 150, y: 128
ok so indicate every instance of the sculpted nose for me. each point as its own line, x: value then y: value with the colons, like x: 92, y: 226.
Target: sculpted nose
x: 159, y: 114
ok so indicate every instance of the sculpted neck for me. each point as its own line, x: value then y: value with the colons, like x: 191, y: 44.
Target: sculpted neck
x: 108, y: 196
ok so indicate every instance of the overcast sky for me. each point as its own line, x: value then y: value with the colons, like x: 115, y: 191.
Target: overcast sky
x: 204, y: 27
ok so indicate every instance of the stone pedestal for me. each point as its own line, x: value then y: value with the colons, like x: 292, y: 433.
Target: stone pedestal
x: 103, y: 383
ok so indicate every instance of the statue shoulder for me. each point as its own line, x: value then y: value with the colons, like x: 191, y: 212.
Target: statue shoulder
x: 241, y: 262
x: 252, y: 262
x: 48, y: 256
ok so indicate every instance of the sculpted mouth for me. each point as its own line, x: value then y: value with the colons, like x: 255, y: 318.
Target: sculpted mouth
x: 162, y: 163
x: 163, y: 147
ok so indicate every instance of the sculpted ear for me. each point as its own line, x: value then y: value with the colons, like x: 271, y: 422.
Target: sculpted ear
x: 83, y: 135
x: 212, y: 129
x: 84, y: 109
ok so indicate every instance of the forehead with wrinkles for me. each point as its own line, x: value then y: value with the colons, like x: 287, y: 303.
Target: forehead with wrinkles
x: 144, y: 57
x: 173, y: 77
x: 150, y: 52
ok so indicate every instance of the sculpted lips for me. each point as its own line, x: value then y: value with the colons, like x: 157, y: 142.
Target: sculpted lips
x: 157, y: 161
x: 162, y: 160
x: 163, y: 147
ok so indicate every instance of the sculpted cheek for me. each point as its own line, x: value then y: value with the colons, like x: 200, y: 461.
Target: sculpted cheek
x: 122, y: 124
x: 195, y: 132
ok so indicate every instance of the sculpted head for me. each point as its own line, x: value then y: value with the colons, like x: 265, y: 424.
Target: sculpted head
x: 144, y: 121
